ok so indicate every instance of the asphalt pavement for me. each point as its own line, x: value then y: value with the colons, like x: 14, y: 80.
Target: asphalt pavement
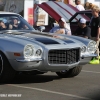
x: 48, y: 86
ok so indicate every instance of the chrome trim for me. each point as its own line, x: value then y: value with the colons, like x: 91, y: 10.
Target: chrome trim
x: 88, y: 55
x: 73, y: 65
x: 29, y: 60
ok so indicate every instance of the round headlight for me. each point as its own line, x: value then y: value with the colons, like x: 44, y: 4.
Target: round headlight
x: 28, y: 51
x: 92, y: 47
x: 38, y: 52
x: 83, y: 49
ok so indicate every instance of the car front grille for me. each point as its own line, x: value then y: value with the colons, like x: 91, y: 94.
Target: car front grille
x: 64, y: 56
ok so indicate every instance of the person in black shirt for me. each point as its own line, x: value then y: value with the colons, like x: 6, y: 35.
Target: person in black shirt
x: 95, y: 32
x: 83, y: 30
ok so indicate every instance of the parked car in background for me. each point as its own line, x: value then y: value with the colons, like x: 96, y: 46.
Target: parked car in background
x: 71, y: 14
x: 56, y: 10
x: 23, y: 49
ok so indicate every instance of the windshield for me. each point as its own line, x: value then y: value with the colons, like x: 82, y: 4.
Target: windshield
x: 13, y: 22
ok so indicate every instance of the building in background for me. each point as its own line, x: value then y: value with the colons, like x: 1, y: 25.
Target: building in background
x: 2, y: 4
x: 40, y: 16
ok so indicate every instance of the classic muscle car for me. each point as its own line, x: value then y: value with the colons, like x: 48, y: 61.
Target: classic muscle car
x: 23, y: 49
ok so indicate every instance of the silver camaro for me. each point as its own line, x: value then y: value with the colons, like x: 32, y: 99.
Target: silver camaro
x: 23, y: 49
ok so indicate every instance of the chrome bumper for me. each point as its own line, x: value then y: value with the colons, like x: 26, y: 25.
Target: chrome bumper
x: 39, y: 64
x: 86, y: 58
x: 29, y: 60
x: 89, y: 55
x: 43, y: 65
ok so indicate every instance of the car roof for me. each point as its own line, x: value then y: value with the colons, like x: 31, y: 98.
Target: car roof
x: 4, y: 12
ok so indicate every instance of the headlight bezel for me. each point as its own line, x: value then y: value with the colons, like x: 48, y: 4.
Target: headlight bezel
x: 83, y: 49
x: 32, y: 50
x: 38, y: 53
x: 26, y: 51
x: 91, y: 48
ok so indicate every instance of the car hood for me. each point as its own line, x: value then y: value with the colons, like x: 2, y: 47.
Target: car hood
x: 44, y: 38
x: 58, y: 9
x: 37, y: 37
x: 47, y: 39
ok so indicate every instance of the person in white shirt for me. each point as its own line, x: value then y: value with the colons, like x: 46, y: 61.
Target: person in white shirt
x: 78, y: 5
x: 62, y: 28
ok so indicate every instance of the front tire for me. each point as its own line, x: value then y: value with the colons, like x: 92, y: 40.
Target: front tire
x: 7, y: 73
x: 70, y: 73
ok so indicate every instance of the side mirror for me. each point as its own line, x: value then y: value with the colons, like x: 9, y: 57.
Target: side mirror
x: 41, y: 28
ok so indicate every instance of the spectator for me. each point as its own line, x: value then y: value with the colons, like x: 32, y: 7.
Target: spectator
x: 86, y: 5
x: 78, y: 5
x: 62, y: 28
x: 95, y: 32
x: 89, y: 6
x: 83, y: 30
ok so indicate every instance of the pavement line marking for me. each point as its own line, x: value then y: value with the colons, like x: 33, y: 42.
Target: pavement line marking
x: 91, y: 71
x: 54, y: 92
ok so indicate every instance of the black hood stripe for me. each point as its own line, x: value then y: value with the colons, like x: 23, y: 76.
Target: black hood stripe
x: 46, y: 41
x: 68, y: 41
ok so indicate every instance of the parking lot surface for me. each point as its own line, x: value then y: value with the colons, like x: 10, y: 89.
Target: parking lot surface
x: 48, y: 86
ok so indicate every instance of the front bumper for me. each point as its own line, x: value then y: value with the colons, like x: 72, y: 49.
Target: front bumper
x: 85, y: 58
x: 39, y: 64
x: 47, y: 61
x: 42, y: 64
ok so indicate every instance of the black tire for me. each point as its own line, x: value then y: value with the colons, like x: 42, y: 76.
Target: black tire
x: 70, y: 73
x: 7, y: 73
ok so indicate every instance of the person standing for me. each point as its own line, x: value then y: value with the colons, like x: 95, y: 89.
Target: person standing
x: 95, y: 32
x: 78, y: 5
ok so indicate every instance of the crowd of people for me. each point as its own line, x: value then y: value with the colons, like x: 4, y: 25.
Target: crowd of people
x: 91, y: 32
